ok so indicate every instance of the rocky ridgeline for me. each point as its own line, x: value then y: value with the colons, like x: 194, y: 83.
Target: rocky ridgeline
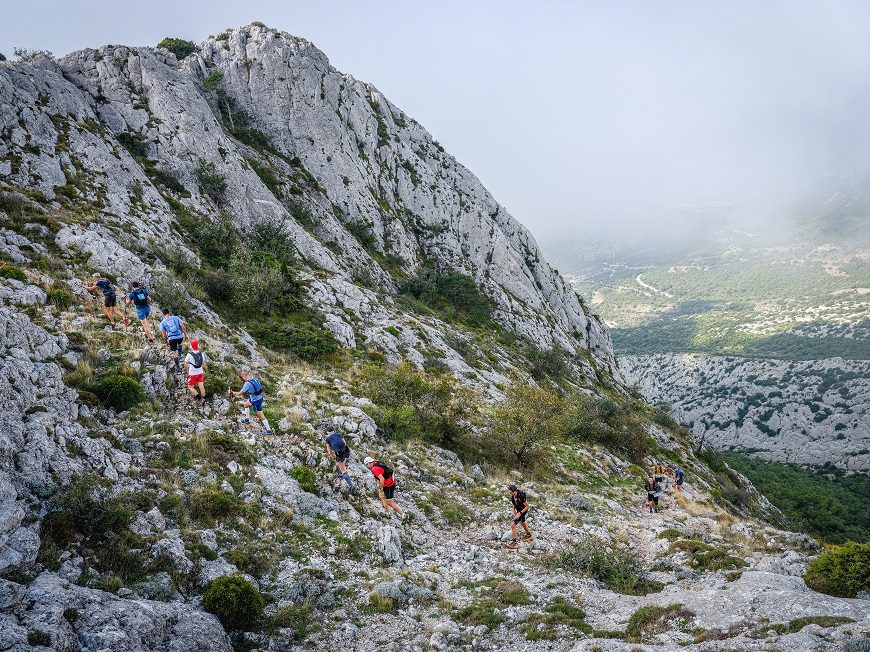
x: 801, y: 412
x: 349, y: 576
x: 119, y: 133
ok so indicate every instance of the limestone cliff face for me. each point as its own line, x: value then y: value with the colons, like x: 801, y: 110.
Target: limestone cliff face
x: 380, y: 195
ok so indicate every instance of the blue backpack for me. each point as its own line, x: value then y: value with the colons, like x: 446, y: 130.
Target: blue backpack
x: 140, y: 297
x: 256, y: 387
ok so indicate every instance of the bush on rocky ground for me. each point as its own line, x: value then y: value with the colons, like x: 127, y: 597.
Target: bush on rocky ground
x: 13, y: 272
x: 615, y: 566
x: 607, y: 422
x: 179, y: 47
x: 306, y: 478
x: 841, y: 570
x: 235, y: 601
x: 212, y: 503
x: 80, y: 515
x: 453, y: 295
x: 525, y: 426
x: 119, y: 392
x: 412, y: 404
x: 558, y: 614
x: 61, y: 298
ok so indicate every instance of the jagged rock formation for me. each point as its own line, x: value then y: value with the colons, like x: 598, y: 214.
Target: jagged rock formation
x: 379, y: 194
x: 801, y: 412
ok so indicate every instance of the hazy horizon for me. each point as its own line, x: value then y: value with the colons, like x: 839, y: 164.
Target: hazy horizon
x: 580, y: 118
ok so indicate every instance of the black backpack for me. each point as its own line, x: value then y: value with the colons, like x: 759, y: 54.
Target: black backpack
x: 140, y: 297
x: 520, y: 497
x: 197, y: 358
x: 388, y: 472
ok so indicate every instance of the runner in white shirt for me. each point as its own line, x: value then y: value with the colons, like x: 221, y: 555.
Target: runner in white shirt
x: 195, y: 362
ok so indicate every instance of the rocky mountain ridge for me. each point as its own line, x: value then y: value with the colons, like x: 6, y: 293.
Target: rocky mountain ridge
x: 125, y: 130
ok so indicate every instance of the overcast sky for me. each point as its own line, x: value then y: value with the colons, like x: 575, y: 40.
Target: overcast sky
x: 578, y: 116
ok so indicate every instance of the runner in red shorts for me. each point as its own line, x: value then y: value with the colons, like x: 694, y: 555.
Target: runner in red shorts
x: 195, y: 363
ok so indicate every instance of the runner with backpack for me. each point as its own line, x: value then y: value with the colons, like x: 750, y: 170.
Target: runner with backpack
x: 386, y: 485
x: 140, y: 298
x: 195, y: 363
x: 253, y: 389
x: 339, y: 452
x: 110, y: 299
x: 520, y: 504
x: 653, y: 491
x: 174, y: 334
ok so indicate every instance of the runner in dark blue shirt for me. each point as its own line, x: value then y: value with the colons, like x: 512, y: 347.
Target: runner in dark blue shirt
x: 338, y: 450
x: 109, y: 296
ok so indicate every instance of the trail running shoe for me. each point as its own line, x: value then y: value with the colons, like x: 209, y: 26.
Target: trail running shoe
x: 405, y: 517
x: 268, y: 432
x: 527, y: 537
x: 245, y: 421
x: 513, y: 545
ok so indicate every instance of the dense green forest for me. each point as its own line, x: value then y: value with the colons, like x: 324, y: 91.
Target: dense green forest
x: 826, y: 503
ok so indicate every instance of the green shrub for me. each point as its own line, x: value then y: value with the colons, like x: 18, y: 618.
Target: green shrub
x: 525, y: 426
x: 258, y: 285
x: 412, y: 404
x: 269, y: 237
x: 169, y: 292
x: 670, y: 534
x: 306, y: 478
x: 617, y: 567
x: 298, y: 618
x: 304, y: 340
x: 71, y: 615
x: 211, y: 503
x: 10, y: 271
x: 647, y: 622
x: 134, y: 143
x: 482, y: 612
x: 212, y: 183
x: 606, y: 422
x: 546, y: 363
x: 538, y: 626
x: 100, y: 525
x: 37, y: 637
x: 119, y: 392
x: 267, y: 176
x: 235, y: 601
x: 60, y: 297
x: 379, y: 604
x: 841, y: 570
x: 212, y: 81
x: 511, y: 593
x: 453, y: 295
x: 12, y: 204
x: 179, y: 47
x: 214, y: 240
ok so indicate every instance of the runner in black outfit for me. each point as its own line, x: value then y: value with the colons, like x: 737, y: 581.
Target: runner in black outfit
x: 521, y: 510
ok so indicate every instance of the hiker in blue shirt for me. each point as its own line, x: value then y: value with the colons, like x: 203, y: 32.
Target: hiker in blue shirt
x: 339, y: 452
x: 679, y: 477
x: 140, y: 298
x: 174, y: 332
x: 109, y: 296
x: 253, y: 389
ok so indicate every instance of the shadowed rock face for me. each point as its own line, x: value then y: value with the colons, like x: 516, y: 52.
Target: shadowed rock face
x: 338, y: 147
